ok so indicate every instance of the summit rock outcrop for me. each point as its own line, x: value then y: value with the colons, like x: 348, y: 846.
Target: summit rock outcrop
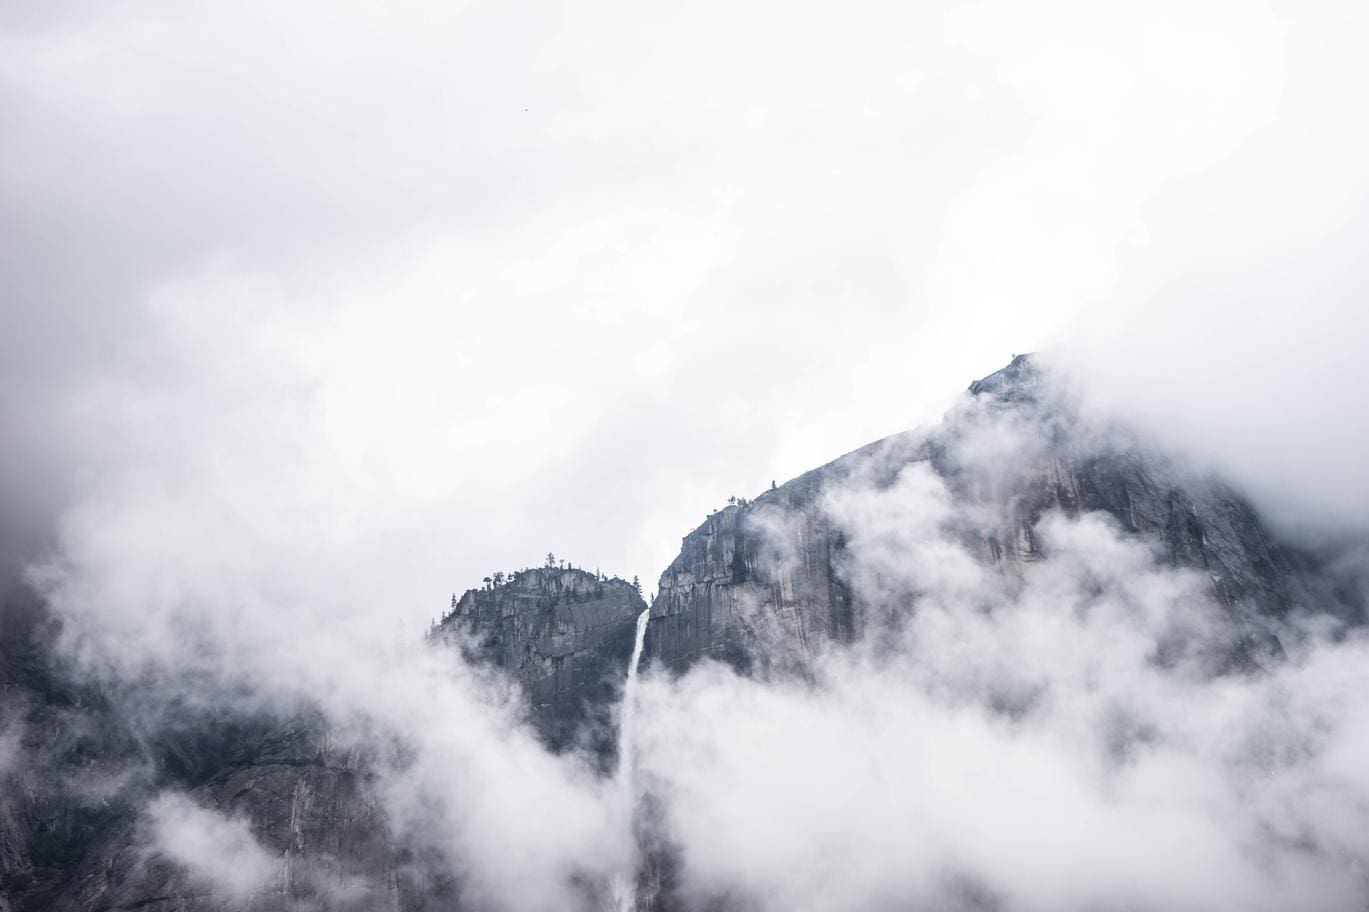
x: 763, y: 585
x: 565, y: 634
x: 767, y: 580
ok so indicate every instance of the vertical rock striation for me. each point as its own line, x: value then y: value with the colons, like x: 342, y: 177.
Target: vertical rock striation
x: 763, y: 585
x: 765, y: 581
x: 565, y: 634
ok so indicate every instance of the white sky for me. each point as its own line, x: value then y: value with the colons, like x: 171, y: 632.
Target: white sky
x: 411, y: 292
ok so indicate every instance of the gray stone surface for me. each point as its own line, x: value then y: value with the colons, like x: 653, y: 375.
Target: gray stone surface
x: 565, y: 634
x: 71, y: 837
x: 762, y: 585
x: 309, y: 809
x: 764, y: 582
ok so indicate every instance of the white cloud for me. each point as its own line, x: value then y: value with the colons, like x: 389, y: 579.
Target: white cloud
x: 608, y: 266
x: 217, y: 852
x: 313, y: 319
x: 1022, y: 746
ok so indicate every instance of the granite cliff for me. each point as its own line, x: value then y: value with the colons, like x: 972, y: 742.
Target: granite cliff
x: 565, y: 634
x: 764, y: 585
x: 82, y: 769
x: 766, y: 580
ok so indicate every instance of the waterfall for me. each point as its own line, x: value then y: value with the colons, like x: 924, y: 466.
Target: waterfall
x: 625, y: 728
x: 624, y: 883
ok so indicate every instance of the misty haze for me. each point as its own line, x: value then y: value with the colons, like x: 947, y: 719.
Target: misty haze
x: 711, y: 458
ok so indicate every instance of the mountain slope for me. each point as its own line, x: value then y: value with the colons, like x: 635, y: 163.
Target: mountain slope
x: 767, y: 580
x: 767, y: 586
x: 564, y: 634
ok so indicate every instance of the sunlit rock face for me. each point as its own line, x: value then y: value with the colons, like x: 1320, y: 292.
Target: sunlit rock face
x: 768, y: 580
x: 565, y: 634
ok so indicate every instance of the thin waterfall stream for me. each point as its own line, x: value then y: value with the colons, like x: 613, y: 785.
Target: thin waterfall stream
x: 624, y: 885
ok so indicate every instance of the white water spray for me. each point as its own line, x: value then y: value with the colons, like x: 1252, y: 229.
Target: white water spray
x: 624, y: 885
x: 625, y: 729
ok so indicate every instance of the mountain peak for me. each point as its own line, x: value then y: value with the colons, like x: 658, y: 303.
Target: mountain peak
x: 566, y: 634
x: 1017, y: 380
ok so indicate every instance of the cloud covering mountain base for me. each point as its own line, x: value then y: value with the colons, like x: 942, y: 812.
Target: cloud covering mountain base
x: 1033, y: 706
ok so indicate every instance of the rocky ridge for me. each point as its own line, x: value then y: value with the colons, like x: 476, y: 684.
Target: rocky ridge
x: 565, y: 634
x: 763, y: 585
x: 767, y: 580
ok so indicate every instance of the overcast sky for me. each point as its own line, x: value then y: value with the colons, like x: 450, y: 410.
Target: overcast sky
x: 411, y: 292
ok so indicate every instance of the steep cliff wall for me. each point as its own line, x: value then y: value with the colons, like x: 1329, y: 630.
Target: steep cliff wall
x: 767, y: 580
x: 565, y: 634
x: 80, y: 772
x: 61, y: 744
x: 763, y: 585
x: 314, y: 821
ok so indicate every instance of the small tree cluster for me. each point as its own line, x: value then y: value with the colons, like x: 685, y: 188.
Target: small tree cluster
x: 500, y: 578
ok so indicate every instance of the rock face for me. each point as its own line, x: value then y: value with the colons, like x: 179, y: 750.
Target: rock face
x: 59, y: 742
x: 565, y: 634
x: 78, y: 772
x: 309, y: 810
x: 767, y: 580
x: 731, y: 589
x: 762, y: 585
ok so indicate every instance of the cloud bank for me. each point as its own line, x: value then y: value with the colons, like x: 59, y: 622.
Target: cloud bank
x: 1064, y: 733
x: 310, y: 320
x: 218, y: 852
x: 1062, y: 743
x: 509, y: 278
